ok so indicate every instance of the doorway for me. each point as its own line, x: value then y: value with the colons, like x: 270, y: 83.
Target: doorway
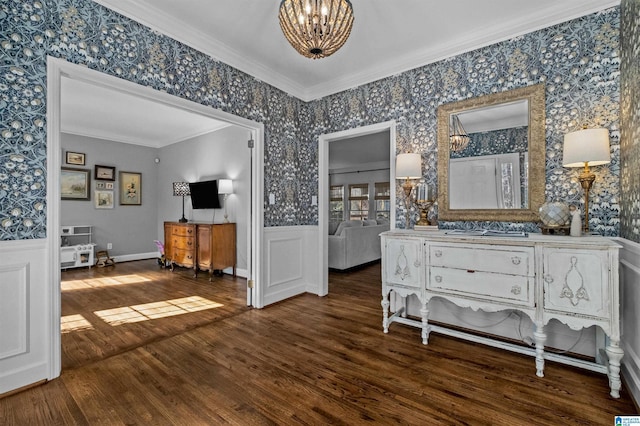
x: 58, y: 69
x: 323, y: 188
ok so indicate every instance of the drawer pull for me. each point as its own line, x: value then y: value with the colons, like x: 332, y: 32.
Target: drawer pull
x: 189, y: 243
x: 189, y: 230
x: 548, y: 278
x: 471, y: 271
x: 515, y: 260
x: 438, y: 278
x: 516, y: 290
x: 438, y: 253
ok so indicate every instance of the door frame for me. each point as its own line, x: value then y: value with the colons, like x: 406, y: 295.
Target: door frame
x: 59, y: 68
x: 323, y: 189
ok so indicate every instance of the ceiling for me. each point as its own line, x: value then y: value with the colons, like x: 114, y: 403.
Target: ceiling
x: 388, y: 37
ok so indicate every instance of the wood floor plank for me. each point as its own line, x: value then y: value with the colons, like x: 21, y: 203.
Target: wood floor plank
x: 308, y: 360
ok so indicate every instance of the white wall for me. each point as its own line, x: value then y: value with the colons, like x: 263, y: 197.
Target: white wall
x: 630, y: 316
x: 218, y: 155
x: 115, y: 225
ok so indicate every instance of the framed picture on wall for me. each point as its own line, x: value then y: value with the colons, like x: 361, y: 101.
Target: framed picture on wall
x: 104, y: 199
x: 105, y: 173
x: 75, y: 184
x: 130, y: 189
x: 75, y: 158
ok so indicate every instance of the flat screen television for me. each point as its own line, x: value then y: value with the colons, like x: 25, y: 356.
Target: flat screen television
x: 204, y: 195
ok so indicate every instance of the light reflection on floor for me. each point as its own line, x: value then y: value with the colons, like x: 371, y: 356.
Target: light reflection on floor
x: 102, y: 282
x: 69, y: 323
x: 155, y: 310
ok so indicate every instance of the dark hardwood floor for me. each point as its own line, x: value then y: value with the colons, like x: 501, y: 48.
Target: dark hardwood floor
x: 142, y: 345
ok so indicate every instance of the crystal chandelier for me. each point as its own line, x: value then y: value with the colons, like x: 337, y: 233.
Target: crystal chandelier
x: 316, y: 28
x: 459, y: 138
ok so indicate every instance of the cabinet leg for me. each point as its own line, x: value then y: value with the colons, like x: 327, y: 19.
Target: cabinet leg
x: 385, y: 311
x: 540, y: 338
x: 615, y: 354
x: 403, y: 314
x: 426, y: 328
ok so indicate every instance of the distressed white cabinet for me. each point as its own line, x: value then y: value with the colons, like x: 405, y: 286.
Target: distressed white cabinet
x: 572, y: 280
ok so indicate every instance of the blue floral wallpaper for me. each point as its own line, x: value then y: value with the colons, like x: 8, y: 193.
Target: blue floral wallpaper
x: 578, y: 61
x: 630, y: 118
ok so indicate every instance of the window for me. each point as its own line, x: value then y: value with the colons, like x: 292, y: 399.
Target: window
x: 336, y: 203
x: 382, y: 196
x: 359, y: 201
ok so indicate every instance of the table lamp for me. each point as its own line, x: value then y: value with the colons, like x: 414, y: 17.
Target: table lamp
x: 408, y: 166
x: 584, y: 148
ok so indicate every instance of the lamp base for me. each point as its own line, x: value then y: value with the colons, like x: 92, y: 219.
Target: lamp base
x: 183, y: 220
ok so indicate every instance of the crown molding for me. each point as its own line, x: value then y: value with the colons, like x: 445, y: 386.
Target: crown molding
x: 146, y: 14
x: 150, y: 143
x: 476, y: 40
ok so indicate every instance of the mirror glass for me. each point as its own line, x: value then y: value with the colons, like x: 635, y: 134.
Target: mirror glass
x: 495, y: 169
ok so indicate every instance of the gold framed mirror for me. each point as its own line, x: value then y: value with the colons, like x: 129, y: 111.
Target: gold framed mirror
x: 495, y: 169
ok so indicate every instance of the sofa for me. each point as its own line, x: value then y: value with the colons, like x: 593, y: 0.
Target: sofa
x: 355, y: 242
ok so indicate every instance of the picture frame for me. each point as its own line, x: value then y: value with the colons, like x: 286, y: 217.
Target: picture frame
x: 105, y: 173
x: 100, y: 185
x: 75, y: 158
x: 104, y: 199
x: 108, y: 185
x: 130, y: 189
x: 75, y: 184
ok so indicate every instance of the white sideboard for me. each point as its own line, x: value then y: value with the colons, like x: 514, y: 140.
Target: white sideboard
x: 571, y: 279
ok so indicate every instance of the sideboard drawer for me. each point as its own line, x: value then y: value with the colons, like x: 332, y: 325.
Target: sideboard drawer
x: 497, y: 259
x: 482, y: 285
x: 185, y: 258
x: 185, y: 243
x: 184, y: 231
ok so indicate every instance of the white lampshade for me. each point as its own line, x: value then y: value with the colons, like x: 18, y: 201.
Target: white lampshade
x: 589, y: 146
x: 225, y: 186
x: 408, y: 166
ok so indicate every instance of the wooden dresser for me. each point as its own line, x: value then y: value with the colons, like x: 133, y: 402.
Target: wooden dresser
x: 568, y: 279
x: 204, y: 246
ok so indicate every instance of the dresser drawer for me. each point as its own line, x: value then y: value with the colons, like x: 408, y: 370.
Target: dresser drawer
x: 184, y: 231
x: 496, y: 259
x: 482, y: 285
x: 184, y: 243
x: 184, y: 257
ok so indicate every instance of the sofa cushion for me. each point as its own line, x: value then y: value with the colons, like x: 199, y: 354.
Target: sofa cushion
x: 347, y: 224
x: 370, y: 222
x: 382, y: 221
x: 333, y: 226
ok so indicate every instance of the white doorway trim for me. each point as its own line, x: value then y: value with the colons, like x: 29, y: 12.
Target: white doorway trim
x: 56, y: 70
x: 323, y: 188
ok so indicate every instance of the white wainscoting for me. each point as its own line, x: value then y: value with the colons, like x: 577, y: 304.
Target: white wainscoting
x: 291, y: 262
x: 25, y: 311
x: 630, y: 301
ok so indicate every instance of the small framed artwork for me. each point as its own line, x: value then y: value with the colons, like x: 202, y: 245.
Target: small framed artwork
x: 104, y: 199
x: 75, y: 184
x: 100, y: 185
x: 108, y: 185
x: 130, y: 189
x: 75, y: 158
x: 105, y: 173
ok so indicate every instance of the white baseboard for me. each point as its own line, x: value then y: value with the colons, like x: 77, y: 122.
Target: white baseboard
x: 136, y: 256
x: 242, y: 273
